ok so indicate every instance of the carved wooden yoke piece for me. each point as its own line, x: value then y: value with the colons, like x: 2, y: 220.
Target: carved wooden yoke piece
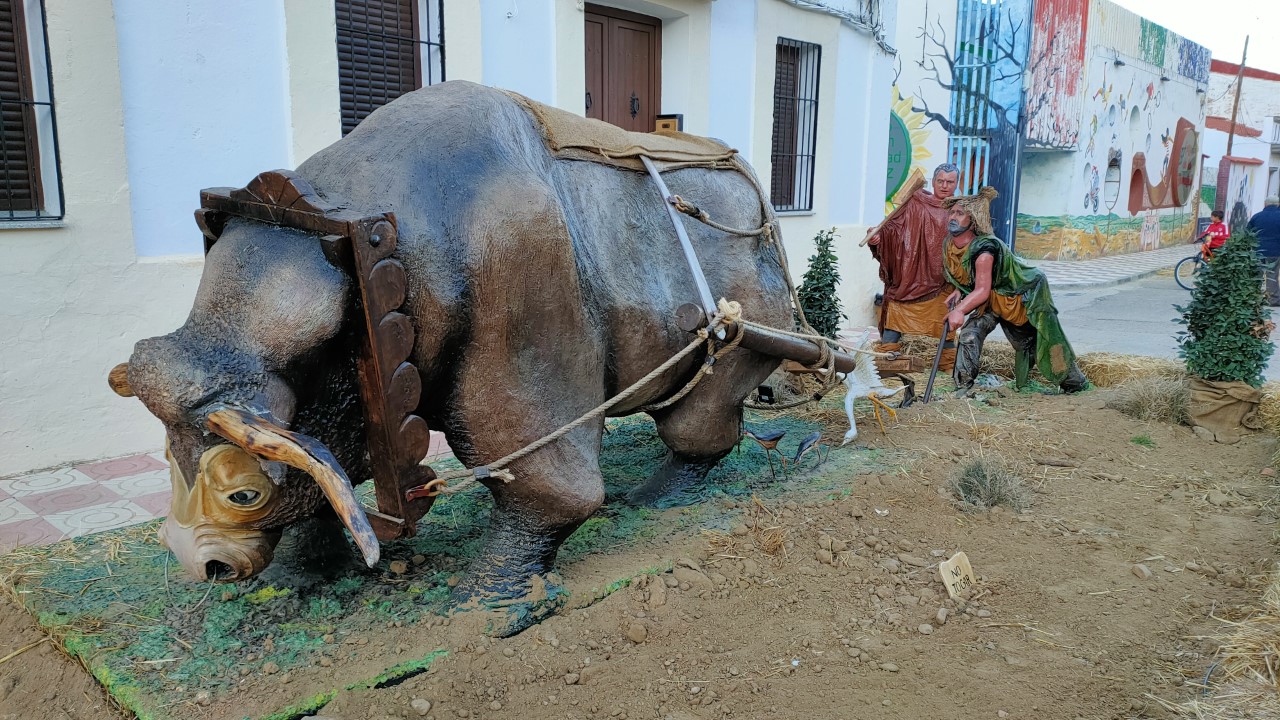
x: 390, y: 386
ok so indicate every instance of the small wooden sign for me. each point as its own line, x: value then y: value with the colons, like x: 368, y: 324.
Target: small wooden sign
x: 956, y: 574
x: 673, y: 122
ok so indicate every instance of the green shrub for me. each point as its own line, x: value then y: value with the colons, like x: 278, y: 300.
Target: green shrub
x: 817, y: 290
x: 1227, y: 335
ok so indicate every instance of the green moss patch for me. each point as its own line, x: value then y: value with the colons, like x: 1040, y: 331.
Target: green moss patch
x: 275, y: 646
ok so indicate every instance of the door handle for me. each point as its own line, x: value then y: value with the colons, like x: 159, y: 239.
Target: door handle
x: 635, y: 105
x: 588, y: 101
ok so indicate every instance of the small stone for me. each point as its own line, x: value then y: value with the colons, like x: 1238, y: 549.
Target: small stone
x: 270, y: 668
x: 203, y: 697
x: 571, y: 679
x: 925, y: 629
x: 326, y: 662
x: 1268, y: 472
x: 464, y: 713
x: 825, y: 557
x: 740, y: 530
x: 1217, y: 498
x: 912, y: 560
x: 399, y: 567
x: 1141, y: 571
x: 637, y: 633
x: 942, y: 615
x: 327, y: 638
x: 495, y: 705
x: 418, y: 559
x: 983, y: 613
x: 1192, y: 566
x: 670, y: 581
x: 1204, y: 433
x: 889, y: 667
x: 1012, y: 660
x: 1001, y: 713
x: 420, y: 706
x: 508, y: 652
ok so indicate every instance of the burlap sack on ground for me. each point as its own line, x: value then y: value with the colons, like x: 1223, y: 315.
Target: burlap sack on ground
x: 1226, y: 409
x: 578, y: 138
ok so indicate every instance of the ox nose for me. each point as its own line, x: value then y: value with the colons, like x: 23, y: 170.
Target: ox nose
x: 219, y: 571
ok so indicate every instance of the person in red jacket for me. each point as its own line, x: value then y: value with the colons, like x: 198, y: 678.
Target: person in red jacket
x: 1216, y: 234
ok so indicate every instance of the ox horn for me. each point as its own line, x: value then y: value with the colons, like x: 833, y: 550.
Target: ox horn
x: 270, y: 442
x: 118, y: 379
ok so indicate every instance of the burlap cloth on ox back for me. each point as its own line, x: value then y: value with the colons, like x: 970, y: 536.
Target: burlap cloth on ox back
x: 1226, y: 409
x: 578, y: 138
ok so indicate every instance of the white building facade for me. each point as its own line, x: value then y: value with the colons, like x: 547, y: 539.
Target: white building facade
x: 130, y: 108
x: 1238, y: 182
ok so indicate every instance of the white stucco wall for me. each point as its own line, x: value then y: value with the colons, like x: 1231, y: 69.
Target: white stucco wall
x: 852, y: 129
x: 206, y: 102
x: 733, y: 94
x: 74, y: 299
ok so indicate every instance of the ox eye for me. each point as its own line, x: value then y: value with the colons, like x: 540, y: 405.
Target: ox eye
x: 244, y: 497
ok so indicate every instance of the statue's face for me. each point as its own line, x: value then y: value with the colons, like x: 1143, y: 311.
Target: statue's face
x: 944, y: 184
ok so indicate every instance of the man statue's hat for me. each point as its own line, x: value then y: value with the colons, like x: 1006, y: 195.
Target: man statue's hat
x: 978, y: 206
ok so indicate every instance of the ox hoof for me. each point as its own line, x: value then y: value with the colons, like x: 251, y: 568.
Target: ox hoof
x: 677, y: 483
x: 511, y: 610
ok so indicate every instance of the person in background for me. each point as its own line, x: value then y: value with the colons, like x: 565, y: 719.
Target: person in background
x: 1215, y: 236
x: 1267, y: 226
x: 909, y: 250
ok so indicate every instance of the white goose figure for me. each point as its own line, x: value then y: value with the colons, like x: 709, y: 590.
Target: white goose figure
x: 865, y: 382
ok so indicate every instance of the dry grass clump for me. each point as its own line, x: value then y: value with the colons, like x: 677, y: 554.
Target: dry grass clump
x: 997, y: 356
x: 1244, y: 682
x: 986, y: 483
x: 1153, y: 398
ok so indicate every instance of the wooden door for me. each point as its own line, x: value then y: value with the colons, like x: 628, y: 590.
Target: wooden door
x: 624, y: 67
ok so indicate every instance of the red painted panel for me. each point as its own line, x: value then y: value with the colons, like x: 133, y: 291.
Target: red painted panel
x: 1056, y: 67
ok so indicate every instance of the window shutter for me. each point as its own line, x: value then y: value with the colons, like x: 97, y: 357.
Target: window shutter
x: 19, y: 159
x: 786, y: 92
x: 378, y: 55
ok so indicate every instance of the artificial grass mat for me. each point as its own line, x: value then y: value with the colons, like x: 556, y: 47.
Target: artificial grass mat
x: 283, y: 644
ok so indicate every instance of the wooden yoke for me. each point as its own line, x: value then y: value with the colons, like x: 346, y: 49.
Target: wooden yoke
x: 390, y: 387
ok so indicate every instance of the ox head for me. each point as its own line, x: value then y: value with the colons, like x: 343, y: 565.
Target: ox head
x: 231, y: 385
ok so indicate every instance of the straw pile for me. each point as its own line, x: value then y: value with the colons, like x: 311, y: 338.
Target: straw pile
x: 1269, y: 408
x: 1103, y: 369
x: 1243, y: 682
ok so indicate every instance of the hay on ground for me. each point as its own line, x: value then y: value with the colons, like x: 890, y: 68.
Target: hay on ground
x: 1153, y: 398
x: 1106, y: 369
x: 1269, y: 408
x: 1243, y: 679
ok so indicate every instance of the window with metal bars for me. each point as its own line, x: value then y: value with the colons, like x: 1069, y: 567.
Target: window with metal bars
x: 386, y: 48
x: 30, y: 176
x: 795, y: 124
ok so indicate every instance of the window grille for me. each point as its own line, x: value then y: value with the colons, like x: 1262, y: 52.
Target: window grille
x: 386, y: 48
x: 795, y: 124
x: 30, y: 173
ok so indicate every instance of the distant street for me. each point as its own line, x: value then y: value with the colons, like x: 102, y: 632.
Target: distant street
x: 1136, y: 317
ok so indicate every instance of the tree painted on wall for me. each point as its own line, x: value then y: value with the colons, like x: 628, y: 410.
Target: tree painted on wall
x: 984, y: 76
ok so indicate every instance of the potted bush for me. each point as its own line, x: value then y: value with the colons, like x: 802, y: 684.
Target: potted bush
x: 817, y: 290
x: 1226, y: 343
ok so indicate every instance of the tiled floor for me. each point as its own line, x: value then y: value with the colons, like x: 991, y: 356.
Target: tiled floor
x: 51, y: 505
x: 1112, y: 269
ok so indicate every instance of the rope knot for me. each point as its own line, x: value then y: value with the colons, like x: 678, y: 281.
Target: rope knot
x: 731, y: 310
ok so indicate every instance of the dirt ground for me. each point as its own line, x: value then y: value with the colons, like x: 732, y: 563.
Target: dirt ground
x: 1093, y: 603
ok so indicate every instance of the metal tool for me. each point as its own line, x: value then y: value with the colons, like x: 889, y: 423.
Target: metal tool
x: 937, y: 358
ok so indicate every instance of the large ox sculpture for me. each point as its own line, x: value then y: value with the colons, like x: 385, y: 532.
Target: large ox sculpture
x: 537, y: 287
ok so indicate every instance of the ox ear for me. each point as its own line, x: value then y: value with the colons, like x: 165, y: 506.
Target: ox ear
x: 270, y: 442
x: 118, y: 379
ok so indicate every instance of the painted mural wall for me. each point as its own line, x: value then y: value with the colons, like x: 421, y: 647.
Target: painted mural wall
x: 919, y: 123
x: 1126, y: 177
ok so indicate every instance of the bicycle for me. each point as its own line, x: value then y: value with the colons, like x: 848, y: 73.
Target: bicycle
x: 1185, y: 272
